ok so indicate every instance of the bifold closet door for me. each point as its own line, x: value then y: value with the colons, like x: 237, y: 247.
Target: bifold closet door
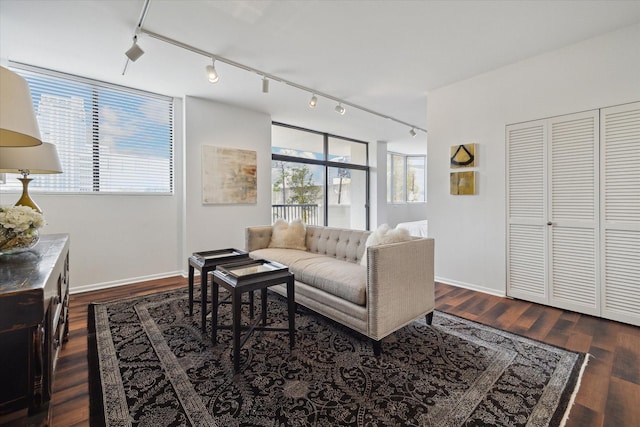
x: 552, y: 212
x: 574, y: 208
x: 620, y: 213
x: 527, y: 212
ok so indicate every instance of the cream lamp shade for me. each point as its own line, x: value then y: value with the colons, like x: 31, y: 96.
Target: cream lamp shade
x: 29, y: 160
x: 18, y: 125
x: 38, y: 159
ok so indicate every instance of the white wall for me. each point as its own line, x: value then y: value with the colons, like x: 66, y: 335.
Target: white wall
x: 222, y: 226
x: 470, y: 231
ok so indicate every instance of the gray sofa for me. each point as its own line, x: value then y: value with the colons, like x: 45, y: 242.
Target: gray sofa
x: 394, y: 289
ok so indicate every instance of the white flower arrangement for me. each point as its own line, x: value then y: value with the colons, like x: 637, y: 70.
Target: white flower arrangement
x: 18, y: 225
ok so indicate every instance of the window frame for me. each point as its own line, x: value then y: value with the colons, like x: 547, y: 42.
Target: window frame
x: 329, y: 164
x: 390, y: 181
x: 164, y: 181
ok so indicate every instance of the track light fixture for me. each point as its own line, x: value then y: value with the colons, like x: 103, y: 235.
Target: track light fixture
x: 134, y: 51
x: 212, y: 74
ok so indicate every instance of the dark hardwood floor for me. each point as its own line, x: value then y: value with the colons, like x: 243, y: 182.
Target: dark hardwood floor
x: 609, y: 394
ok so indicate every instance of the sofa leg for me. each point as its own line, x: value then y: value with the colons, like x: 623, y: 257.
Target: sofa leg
x: 429, y: 318
x: 377, y: 347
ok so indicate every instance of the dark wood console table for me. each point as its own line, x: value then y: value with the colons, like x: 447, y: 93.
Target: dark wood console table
x: 34, y: 301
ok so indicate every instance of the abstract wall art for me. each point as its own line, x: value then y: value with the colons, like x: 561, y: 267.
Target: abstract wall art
x: 229, y: 176
x: 463, y: 183
x: 463, y: 156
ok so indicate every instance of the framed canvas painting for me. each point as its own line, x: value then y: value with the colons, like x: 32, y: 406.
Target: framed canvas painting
x: 229, y: 176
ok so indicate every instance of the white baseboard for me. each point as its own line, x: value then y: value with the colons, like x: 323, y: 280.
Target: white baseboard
x: 128, y: 281
x: 472, y: 287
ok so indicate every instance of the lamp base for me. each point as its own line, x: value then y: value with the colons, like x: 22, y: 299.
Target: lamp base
x: 25, y: 200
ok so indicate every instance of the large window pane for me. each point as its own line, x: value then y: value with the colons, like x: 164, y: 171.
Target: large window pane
x: 398, y: 178
x: 347, y: 198
x: 109, y: 138
x: 345, y: 151
x: 295, y: 142
x: 319, y: 178
x: 406, y: 178
x: 297, y: 192
x: 415, y: 179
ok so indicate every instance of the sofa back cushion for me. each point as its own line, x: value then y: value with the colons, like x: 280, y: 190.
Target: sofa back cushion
x: 287, y: 235
x: 342, y: 244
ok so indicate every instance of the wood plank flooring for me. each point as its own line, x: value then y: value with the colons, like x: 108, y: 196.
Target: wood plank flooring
x: 609, y: 394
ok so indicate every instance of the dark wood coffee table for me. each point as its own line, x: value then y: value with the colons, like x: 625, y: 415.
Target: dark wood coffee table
x: 249, y: 276
x: 205, y: 262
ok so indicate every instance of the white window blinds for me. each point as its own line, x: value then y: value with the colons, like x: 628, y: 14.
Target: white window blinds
x: 109, y: 138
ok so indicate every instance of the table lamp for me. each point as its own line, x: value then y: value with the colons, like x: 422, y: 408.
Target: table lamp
x: 18, y: 125
x: 29, y: 160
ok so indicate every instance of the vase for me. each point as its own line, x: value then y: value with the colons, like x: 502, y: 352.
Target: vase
x: 15, y: 243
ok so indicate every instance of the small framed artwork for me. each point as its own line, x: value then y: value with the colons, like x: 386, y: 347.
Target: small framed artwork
x: 463, y: 156
x: 463, y: 183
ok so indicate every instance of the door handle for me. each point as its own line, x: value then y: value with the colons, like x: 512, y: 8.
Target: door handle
x: 549, y: 223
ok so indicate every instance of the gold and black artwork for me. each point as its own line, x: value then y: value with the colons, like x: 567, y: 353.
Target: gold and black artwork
x: 463, y: 183
x: 463, y: 156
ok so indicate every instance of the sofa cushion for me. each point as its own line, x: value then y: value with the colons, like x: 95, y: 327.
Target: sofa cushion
x: 343, y: 279
x: 342, y: 244
x: 288, y: 235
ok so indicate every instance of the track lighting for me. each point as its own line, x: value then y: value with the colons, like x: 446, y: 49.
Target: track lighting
x: 134, y: 51
x: 212, y: 74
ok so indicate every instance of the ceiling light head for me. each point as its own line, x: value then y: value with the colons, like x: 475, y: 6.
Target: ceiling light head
x: 212, y: 74
x: 412, y: 132
x: 134, y: 51
x: 313, y: 101
x: 265, y: 85
x: 340, y: 109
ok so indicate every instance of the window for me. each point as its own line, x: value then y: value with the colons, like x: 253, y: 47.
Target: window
x: 406, y: 178
x: 318, y: 177
x: 109, y: 138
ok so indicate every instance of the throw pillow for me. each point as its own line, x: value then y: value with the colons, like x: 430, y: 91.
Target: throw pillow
x: 383, y: 235
x: 288, y: 235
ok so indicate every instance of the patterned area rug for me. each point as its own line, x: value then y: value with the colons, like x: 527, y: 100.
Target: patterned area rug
x: 151, y: 366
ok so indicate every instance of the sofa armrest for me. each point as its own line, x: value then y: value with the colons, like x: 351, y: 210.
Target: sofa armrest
x: 257, y: 237
x: 400, y: 284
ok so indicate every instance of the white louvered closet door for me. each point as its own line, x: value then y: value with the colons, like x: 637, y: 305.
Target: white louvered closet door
x: 573, y: 225
x: 526, y: 212
x: 620, y: 189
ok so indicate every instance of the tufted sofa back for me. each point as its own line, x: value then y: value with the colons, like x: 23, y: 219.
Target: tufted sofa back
x: 342, y: 244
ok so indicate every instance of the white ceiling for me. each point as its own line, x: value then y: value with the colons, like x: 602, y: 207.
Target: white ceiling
x: 383, y: 55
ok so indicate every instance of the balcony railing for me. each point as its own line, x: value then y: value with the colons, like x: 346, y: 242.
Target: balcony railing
x: 307, y: 212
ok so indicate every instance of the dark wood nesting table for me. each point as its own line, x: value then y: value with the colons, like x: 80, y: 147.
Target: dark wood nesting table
x: 249, y: 276
x: 205, y: 262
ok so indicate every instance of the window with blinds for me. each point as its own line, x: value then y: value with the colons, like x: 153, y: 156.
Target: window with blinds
x: 110, y: 139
